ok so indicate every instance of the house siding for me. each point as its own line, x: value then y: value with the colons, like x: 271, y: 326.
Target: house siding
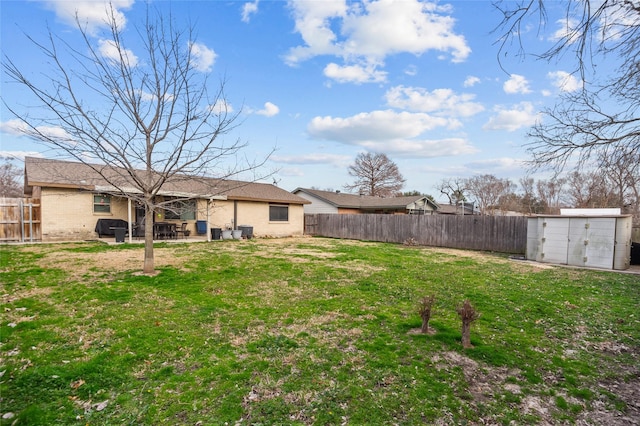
x: 317, y: 205
x: 67, y: 214
x: 255, y: 214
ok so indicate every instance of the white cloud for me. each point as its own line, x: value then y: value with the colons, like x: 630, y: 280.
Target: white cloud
x: 442, y: 101
x: 367, y: 32
x: 566, y: 30
x: 521, y: 115
x: 269, y: 110
x: 317, y: 158
x: 376, y: 125
x: 354, y: 74
x: 92, y: 13
x: 391, y: 132
x: 221, y: 107
x: 202, y: 58
x: 110, y: 50
x: 19, y: 155
x: 19, y: 128
x: 516, y: 84
x: 425, y: 148
x: 564, y: 81
x: 248, y: 9
x: 471, y: 81
x: 497, y: 164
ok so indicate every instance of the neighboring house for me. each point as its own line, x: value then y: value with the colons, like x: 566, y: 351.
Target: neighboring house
x: 74, y: 196
x: 340, y: 203
x: 467, y: 209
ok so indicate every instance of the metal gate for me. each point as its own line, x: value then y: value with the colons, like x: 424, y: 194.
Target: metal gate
x: 20, y: 220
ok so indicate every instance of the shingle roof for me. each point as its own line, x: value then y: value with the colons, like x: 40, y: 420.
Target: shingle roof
x: 66, y: 174
x: 343, y: 200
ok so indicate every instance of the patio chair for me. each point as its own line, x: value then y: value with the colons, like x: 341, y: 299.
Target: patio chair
x: 183, y: 230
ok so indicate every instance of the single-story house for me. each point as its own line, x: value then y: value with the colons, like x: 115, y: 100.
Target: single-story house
x: 460, y: 209
x: 342, y: 203
x: 73, y: 196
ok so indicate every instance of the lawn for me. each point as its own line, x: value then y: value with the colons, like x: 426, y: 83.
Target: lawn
x: 310, y: 331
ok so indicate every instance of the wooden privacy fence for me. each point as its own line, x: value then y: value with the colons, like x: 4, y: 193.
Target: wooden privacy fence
x: 507, y: 234
x: 20, y: 219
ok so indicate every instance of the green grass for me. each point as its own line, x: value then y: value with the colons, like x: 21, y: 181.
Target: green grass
x: 308, y: 331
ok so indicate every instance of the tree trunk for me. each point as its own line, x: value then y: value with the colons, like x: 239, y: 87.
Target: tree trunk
x: 148, y: 267
x: 425, y: 324
x: 466, y: 335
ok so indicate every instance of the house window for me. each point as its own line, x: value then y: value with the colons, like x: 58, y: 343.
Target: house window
x: 181, y: 210
x: 278, y: 213
x: 101, y: 203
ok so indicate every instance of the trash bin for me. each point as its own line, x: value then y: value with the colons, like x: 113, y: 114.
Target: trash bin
x: 247, y: 231
x: 201, y: 227
x: 120, y: 233
x: 635, y: 253
x: 216, y: 233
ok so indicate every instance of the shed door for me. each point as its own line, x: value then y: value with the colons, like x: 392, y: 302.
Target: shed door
x: 554, y: 240
x: 600, y: 243
x: 578, y: 238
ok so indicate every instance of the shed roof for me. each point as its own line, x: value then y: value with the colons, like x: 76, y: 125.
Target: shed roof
x: 67, y: 174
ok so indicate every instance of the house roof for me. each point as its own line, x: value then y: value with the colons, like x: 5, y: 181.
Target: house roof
x: 363, y: 202
x: 455, y: 209
x: 66, y: 174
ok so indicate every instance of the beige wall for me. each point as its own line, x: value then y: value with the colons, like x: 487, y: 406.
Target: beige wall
x: 255, y: 214
x: 67, y: 214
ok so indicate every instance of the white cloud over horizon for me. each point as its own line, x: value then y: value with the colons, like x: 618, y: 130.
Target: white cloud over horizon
x: 93, y: 14
x: 441, y: 101
x: 248, y: 9
x: 391, y: 132
x: 517, y: 84
x: 357, y: 74
x: 512, y: 119
x: 564, y: 81
x: 269, y: 110
x: 109, y: 49
x: 202, y: 58
x: 370, y: 31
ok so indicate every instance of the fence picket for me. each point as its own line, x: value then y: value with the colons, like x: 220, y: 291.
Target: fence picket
x: 507, y: 234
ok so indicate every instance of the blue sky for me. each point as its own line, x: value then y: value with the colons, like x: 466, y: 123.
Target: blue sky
x: 322, y: 81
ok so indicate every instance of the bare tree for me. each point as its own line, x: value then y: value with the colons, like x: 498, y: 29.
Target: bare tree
x: 589, y: 190
x: 149, y: 116
x: 581, y: 127
x: 453, y: 189
x: 375, y: 175
x: 10, y: 180
x: 552, y: 193
x: 487, y: 190
x: 530, y: 203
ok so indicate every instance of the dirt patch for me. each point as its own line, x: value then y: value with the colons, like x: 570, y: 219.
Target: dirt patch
x: 22, y: 294
x: 82, y: 264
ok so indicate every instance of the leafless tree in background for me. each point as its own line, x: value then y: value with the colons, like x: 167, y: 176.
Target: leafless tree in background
x: 552, y: 193
x: 11, y: 184
x: 151, y: 119
x: 487, y: 191
x: 455, y: 189
x: 582, y: 127
x: 375, y: 175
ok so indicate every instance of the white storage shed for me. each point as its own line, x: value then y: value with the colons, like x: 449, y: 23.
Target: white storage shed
x: 588, y: 240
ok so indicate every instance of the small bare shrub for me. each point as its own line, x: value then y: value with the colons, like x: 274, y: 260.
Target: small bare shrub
x: 468, y: 315
x: 410, y: 242
x: 425, y: 312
